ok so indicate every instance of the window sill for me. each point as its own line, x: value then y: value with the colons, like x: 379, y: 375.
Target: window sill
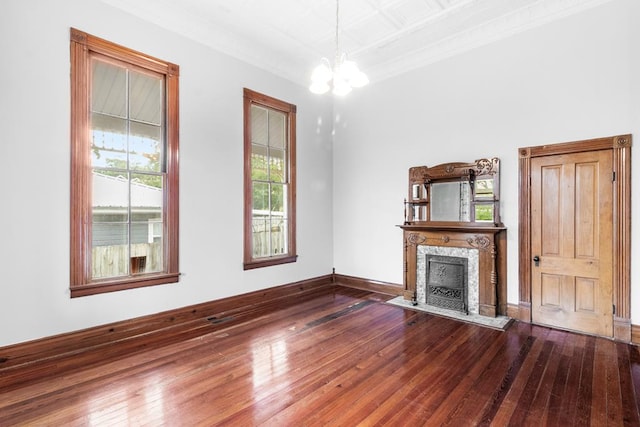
x: 267, y: 262
x: 119, y: 285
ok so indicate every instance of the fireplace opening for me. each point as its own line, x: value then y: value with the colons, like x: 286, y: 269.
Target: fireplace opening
x: 447, y: 282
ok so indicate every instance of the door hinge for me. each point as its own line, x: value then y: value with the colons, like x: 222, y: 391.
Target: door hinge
x: 614, y: 309
x: 614, y: 176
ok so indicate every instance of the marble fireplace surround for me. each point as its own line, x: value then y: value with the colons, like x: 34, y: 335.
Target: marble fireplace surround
x: 472, y: 272
x: 484, y: 243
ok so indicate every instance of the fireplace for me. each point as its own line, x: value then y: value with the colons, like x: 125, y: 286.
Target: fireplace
x: 469, y: 194
x: 446, y: 282
x: 482, y: 247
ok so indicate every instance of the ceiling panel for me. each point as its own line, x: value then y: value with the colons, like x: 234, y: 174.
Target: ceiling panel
x: 386, y: 37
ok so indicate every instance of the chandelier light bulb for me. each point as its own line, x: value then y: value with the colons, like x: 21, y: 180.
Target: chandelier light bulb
x: 340, y: 86
x: 348, y: 69
x: 319, y: 88
x: 322, y: 73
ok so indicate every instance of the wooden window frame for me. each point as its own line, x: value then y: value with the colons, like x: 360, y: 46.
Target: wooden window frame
x: 83, y: 46
x: 254, y: 98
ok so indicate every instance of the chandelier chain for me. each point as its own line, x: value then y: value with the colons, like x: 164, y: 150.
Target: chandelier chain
x: 337, y: 28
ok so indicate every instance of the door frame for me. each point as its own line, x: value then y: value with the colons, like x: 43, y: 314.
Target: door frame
x: 621, y: 150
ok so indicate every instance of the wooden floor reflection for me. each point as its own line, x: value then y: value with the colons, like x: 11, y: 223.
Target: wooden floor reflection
x: 343, y: 358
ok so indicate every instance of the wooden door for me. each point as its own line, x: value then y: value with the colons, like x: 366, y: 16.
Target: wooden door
x: 572, y: 241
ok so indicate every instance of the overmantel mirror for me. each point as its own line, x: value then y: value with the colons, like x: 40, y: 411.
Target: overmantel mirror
x: 450, y: 193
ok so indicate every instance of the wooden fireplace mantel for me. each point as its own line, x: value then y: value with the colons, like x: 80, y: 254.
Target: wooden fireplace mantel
x: 488, y: 239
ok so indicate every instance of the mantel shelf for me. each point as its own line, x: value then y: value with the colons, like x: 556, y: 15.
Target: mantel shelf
x: 472, y: 227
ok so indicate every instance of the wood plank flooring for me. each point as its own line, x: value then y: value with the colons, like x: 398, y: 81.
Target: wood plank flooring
x: 342, y: 357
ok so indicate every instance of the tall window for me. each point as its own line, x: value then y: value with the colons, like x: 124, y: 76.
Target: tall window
x: 269, y: 181
x: 124, y: 168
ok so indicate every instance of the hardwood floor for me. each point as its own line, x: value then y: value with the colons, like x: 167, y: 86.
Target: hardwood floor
x: 342, y: 357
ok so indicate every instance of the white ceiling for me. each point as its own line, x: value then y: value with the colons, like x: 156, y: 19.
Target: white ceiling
x: 385, y: 37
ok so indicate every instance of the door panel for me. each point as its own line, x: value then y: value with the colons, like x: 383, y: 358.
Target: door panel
x: 550, y: 292
x: 586, y: 295
x: 550, y: 194
x: 571, y: 233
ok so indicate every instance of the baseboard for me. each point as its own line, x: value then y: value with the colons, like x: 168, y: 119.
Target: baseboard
x: 521, y: 312
x: 37, y: 359
x: 622, y: 329
x: 635, y: 334
x: 513, y: 311
x: 369, y: 285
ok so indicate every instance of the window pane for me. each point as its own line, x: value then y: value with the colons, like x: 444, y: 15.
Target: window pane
x: 147, y: 257
x: 278, y: 235
x: 146, y: 226
x: 259, y: 125
x: 259, y: 163
x: 145, y: 145
x: 110, y: 234
x: 110, y: 201
x: 145, y: 95
x: 109, y: 89
x: 260, y: 197
x: 278, y: 202
x: 260, y: 225
x: 109, y: 231
x: 108, y: 141
x: 277, y: 165
x: 146, y: 198
x: 110, y: 250
x: 277, y: 129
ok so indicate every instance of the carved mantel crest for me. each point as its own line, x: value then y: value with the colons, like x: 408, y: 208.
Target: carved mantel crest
x: 415, y: 239
x: 486, y: 166
x: 479, y: 167
x: 479, y: 241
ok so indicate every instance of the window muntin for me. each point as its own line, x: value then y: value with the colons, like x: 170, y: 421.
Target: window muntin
x: 124, y: 168
x: 269, y: 181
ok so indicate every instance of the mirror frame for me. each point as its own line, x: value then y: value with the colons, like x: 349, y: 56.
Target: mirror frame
x: 421, y: 178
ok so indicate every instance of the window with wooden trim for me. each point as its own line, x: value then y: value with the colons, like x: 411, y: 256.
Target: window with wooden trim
x: 269, y: 181
x: 124, y: 167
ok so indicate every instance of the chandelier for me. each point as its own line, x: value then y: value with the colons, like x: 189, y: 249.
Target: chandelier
x: 342, y: 76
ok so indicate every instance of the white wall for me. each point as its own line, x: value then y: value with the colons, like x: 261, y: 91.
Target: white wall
x: 573, y: 79
x: 35, y: 151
